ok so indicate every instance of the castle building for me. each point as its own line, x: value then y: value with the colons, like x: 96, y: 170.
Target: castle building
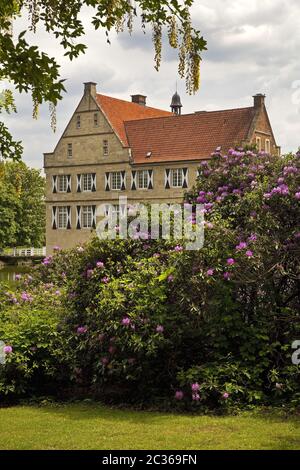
x: 113, y: 147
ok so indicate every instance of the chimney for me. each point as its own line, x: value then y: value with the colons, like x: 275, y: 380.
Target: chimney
x: 259, y: 100
x: 139, y: 99
x: 90, y: 89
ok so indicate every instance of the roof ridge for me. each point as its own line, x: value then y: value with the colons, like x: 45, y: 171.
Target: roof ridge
x: 193, y: 114
x: 134, y: 104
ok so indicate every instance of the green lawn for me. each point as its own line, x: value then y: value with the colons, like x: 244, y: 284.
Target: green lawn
x: 92, y: 426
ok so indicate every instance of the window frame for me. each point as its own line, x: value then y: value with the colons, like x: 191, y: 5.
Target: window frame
x: 258, y: 143
x: 105, y: 148
x: 70, y: 150
x: 118, y: 175
x: 78, y: 121
x: 268, y: 144
x: 63, y: 209
x: 96, y: 119
x: 176, y: 171
x: 65, y: 180
x: 143, y: 173
x: 89, y: 180
x: 87, y: 212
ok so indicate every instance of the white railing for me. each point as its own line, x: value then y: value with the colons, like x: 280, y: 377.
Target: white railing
x: 25, y: 252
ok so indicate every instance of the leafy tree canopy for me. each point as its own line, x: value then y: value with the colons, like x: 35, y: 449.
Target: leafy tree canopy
x: 30, y: 70
x: 22, y: 209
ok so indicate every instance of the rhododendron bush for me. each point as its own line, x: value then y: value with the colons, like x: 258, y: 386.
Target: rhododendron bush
x: 149, y: 322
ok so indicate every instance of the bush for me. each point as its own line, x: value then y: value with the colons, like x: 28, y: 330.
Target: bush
x: 145, y: 322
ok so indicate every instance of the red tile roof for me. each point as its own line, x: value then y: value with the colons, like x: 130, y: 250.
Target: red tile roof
x: 187, y: 137
x: 118, y: 111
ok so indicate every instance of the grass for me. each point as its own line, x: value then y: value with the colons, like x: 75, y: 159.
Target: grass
x: 93, y: 426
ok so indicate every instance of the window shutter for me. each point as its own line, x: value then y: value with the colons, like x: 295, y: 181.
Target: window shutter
x: 93, y: 182
x: 167, y: 179
x: 79, y: 183
x: 133, y: 180
x: 107, y: 181
x: 68, y: 183
x: 54, y: 184
x: 94, y: 217
x: 54, y: 217
x: 184, y: 177
x: 69, y: 217
x: 123, y: 180
x: 150, y: 179
x: 78, y: 217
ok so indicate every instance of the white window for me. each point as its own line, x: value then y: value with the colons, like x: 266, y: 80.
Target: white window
x: 96, y: 120
x: 267, y: 145
x: 87, y: 181
x: 70, y: 151
x: 87, y: 217
x: 62, y: 219
x: 105, y: 147
x: 176, y: 178
x: 142, y: 179
x: 115, y: 180
x: 78, y: 121
x: 258, y: 143
x: 62, y: 183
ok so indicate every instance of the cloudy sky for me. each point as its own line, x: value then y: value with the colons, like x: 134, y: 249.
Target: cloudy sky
x: 253, y: 47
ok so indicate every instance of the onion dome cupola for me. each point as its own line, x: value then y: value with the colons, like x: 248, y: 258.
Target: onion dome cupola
x: 176, y: 104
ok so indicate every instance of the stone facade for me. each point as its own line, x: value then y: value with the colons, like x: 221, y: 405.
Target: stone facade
x: 90, y: 145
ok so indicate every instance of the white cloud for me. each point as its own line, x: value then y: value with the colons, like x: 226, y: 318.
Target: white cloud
x: 252, y: 47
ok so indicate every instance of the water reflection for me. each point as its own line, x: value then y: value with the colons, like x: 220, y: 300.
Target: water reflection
x: 8, y: 273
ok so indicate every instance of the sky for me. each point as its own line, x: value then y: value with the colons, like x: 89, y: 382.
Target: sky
x: 253, y: 47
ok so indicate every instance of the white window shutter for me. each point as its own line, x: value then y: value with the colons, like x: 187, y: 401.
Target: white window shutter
x: 123, y: 180
x: 78, y: 217
x: 107, y: 181
x: 69, y: 217
x: 150, y: 179
x: 184, y: 177
x: 93, y: 182
x: 54, y: 217
x: 94, y: 217
x: 133, y: 180
x: 167, y: 178
x: 79, y: 183
x: 69, y: 184
x: 54, y: 184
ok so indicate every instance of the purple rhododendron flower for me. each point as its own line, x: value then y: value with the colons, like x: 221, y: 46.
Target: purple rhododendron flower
x: 297, y: 196
x: 210, y: 272
x: 81, y: 330
x: 225, y: 395
x: 56, y: 248
x: 226, y: 275
x: 104, y: 361
x: 26, y: 297
x: 179, y: 395
x: 195, y: 387
x: 7, y: 349
x: 18, y: 277
x: 57, y: 292
x: 230, y: 261
x: 159, y: 329
x: 241, y: 246
x: 249, y: 253
x: 252, y: 237
x: 100, y: 264
x: 170, y: 278
x: 105, y: 280
x: 178, y: 248
x: 126, y: 321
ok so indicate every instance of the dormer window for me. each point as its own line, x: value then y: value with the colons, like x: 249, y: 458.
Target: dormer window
x: 96, y: 120
x: 78, y: 121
